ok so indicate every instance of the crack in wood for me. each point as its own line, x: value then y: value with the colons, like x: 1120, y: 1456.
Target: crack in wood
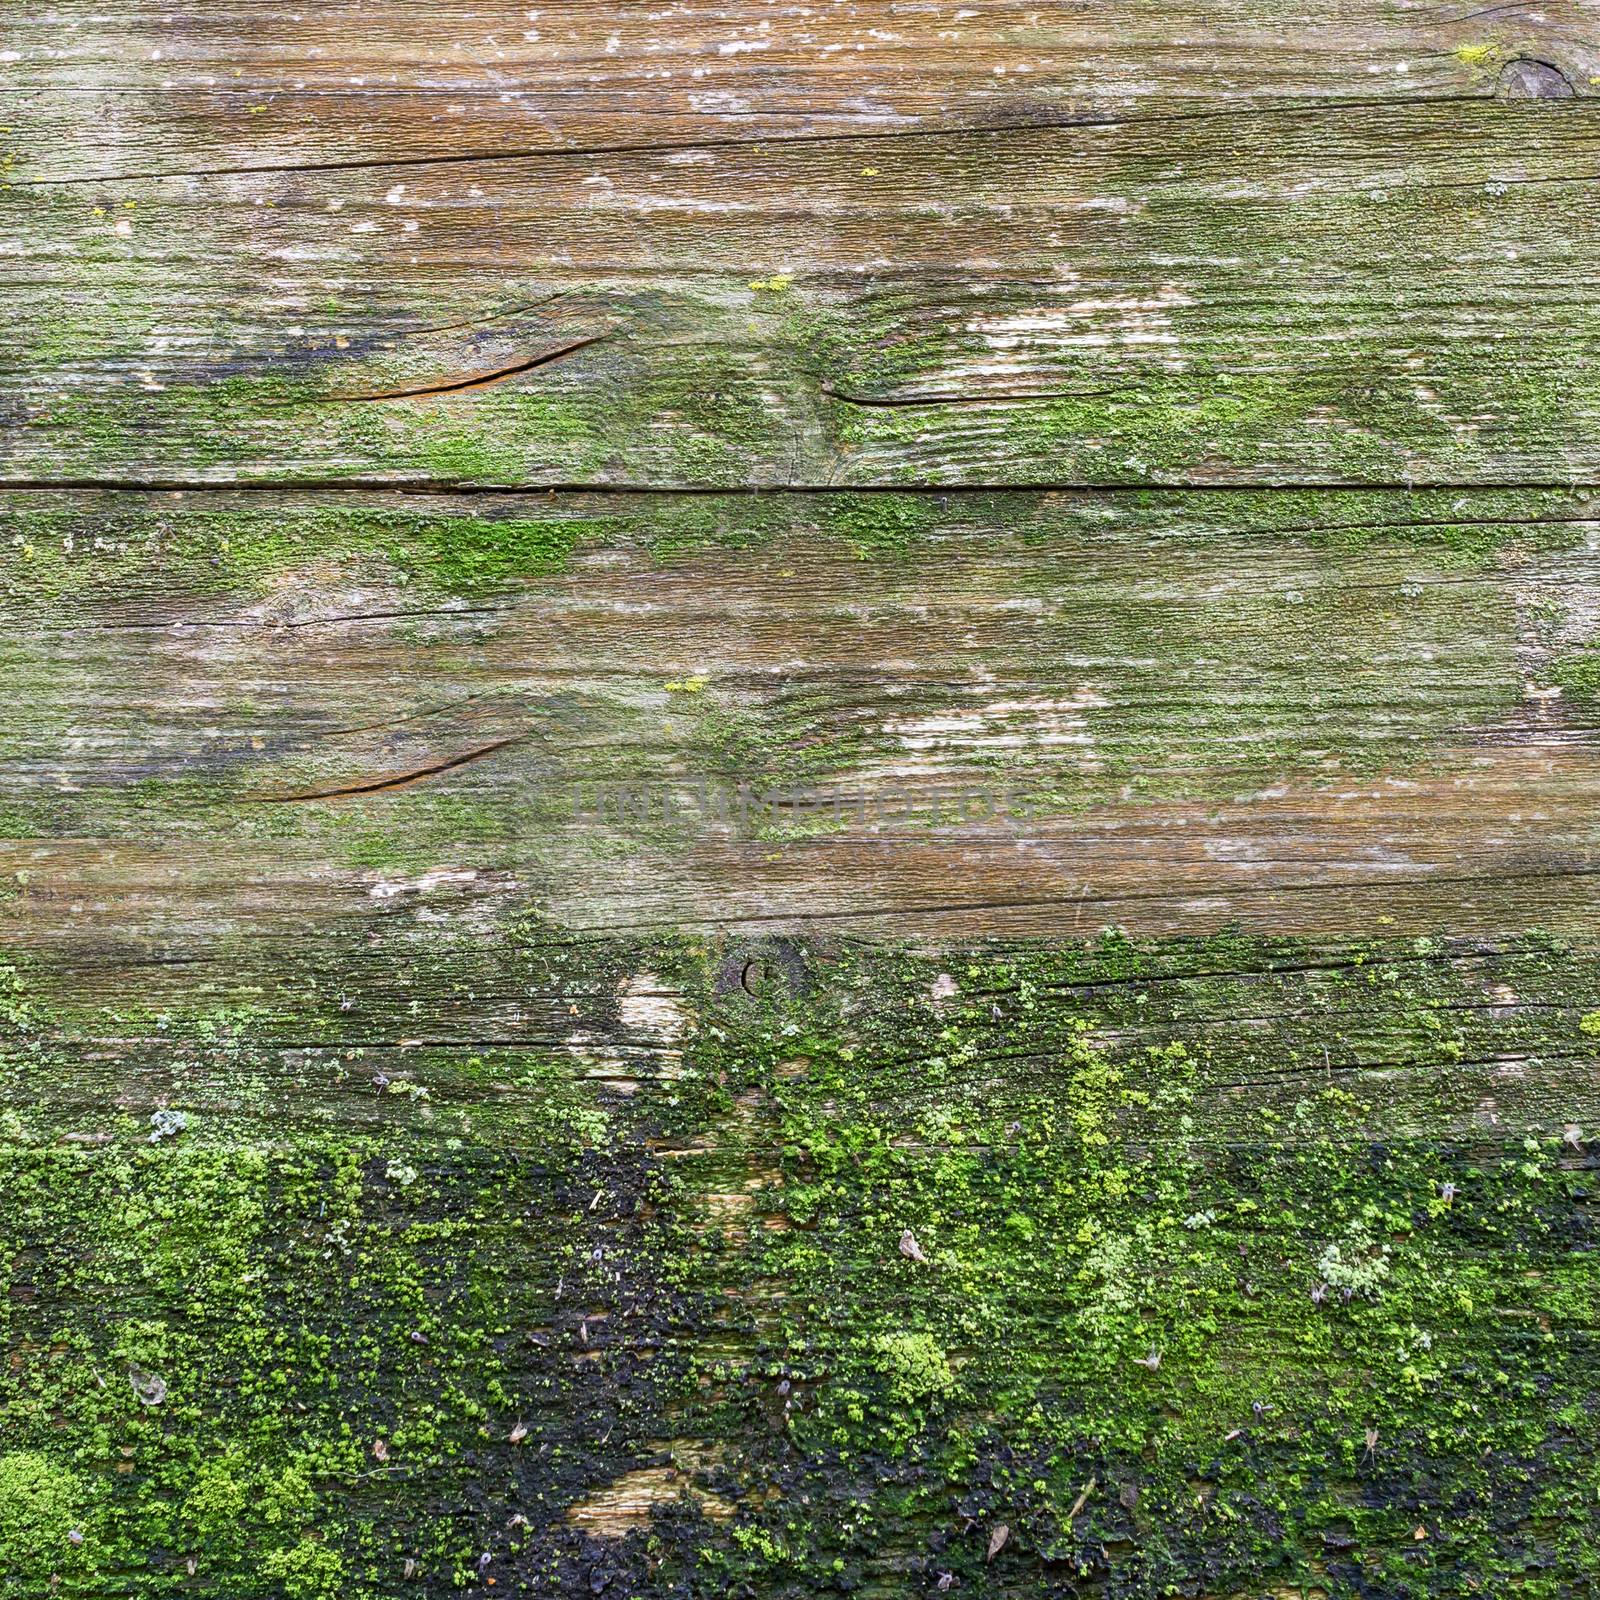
x: 669, y: 147
x: 380, y: 785
x: 438, y: 487
x: 466, y: 381
x: 184, y: 625
x: 1529, y: 78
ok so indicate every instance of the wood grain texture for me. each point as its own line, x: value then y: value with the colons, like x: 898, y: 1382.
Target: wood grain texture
x: 107, y: 90
x: 1184, y: 709
x: 799, y: 800
x: 1372, y: 295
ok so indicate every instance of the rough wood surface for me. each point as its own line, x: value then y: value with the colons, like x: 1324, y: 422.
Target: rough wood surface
x: 799, y: 800
x: 1184, y: 708
x: 1380, y: 295
x: 103, y: 90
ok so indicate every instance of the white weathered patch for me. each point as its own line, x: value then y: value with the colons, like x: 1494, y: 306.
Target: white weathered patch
x: 434, y: 878
x: 1036, y: 721
x: 643, y: 1008
x: 623, y: 201
x: 628, y: 1503
x: 716, y: 102
x: 1099, y: 321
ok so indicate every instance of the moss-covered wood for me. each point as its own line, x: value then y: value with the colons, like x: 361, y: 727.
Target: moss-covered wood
x: 1223, y: 1266
x: 798, y: 801
x: 1367, y: 295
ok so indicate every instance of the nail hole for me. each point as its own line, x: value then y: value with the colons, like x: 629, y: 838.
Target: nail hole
x: 772, y: 969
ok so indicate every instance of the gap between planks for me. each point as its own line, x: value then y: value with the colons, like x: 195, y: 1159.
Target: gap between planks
x: 445, y: 487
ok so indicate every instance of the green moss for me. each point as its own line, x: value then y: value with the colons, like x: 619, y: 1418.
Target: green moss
x: 1385, y: 654
x: 308, y: 1571
x: 244, y: 548
x: 1579, y: 674
x: 45, y: 1520
x: 881, y: 526
x: 914, y: 1366
x: 1211, y: 1253
x: 1138, y: 1305
x: 821, y: 388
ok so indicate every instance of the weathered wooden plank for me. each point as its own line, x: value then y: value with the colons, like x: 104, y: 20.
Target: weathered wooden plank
x: 950, y: 714
x: 1103, y: 1243
x: 105, y: 90
x: 268, y: 1038
x: 1349, y: 295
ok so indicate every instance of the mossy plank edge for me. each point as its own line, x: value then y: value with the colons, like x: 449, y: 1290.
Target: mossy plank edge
x: 1135, y: 1250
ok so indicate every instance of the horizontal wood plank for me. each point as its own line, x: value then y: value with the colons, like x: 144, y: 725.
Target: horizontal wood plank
x: 1373, y: 296
x: 96, y: 90
x: 1015, y: 712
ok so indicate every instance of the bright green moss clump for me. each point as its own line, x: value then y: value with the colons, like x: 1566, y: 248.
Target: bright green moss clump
x: 914, y: 1365
x: 44, y: 1513
x: 1579, y: 674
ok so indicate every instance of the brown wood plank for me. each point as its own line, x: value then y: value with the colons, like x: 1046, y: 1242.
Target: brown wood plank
x: 104, y: 90
x: 1186, y: 710
x: 1381, y: 296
